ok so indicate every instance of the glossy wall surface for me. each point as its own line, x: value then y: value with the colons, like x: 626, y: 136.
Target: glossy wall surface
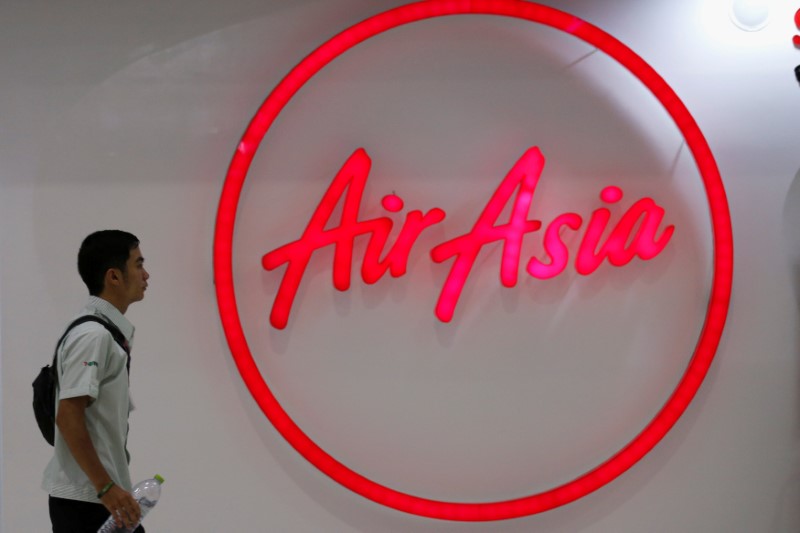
x: 127, y: 114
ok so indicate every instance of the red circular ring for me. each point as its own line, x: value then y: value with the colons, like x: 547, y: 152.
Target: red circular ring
x: 704, y: 350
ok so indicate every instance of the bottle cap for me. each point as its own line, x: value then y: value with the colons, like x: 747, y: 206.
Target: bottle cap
x: 159, y: 479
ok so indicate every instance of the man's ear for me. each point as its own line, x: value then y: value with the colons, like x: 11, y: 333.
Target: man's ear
x: 113, y: 277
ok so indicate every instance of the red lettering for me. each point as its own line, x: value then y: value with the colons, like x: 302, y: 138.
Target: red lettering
x: 554, y: 247
x: 353, y: 177
x: 396, y: 260
x: 635, y: 234
x: 524, y: 176
x: 643, y: 243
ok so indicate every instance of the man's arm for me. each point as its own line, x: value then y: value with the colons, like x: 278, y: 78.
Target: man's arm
x: 71, y: 422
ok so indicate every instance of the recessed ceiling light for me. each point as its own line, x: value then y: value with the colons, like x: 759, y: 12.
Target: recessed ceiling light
x: 750, y: 15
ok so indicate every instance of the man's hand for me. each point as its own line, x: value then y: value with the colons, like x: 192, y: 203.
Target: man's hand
x: 122, y: 506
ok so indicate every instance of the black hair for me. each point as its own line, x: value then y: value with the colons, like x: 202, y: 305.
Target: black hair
x: 103, y: 250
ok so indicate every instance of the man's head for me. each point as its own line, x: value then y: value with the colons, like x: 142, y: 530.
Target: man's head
x: 111, y: 266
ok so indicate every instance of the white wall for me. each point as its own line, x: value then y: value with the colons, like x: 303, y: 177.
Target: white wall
x: 127, y: 114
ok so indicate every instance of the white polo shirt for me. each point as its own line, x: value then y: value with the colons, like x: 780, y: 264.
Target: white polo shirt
x: 91, y: 363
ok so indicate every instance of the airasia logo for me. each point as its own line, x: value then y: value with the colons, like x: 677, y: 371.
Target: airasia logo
x: 643, y: 231
x: 637, y: 233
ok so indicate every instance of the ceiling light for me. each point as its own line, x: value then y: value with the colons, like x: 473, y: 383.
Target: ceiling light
x: 750, y: 15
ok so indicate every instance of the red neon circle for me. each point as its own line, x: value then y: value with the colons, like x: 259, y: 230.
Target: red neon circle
x: 704, y: 351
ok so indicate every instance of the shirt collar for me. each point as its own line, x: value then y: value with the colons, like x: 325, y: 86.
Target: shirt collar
x: 106, y: 309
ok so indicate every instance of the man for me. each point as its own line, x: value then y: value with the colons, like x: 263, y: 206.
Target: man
x: 88, y: 479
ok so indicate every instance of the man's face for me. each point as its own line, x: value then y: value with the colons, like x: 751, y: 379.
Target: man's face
x: 135, y: 276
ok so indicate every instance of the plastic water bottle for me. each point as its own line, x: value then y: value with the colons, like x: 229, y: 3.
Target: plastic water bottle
x: 146, y: 493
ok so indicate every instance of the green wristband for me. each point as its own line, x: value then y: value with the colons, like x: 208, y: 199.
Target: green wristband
x: 105, y: 489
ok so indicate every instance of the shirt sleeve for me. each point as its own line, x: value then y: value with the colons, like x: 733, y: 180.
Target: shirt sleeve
x: 85, y: 361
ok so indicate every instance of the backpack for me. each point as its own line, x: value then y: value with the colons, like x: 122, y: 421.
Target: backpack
x: 44, y: 386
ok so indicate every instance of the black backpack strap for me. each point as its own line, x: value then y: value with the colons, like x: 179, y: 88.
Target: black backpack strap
x: 119, y: 337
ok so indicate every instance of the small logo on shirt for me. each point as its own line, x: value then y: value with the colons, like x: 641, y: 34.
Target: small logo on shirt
x: 89, y: 363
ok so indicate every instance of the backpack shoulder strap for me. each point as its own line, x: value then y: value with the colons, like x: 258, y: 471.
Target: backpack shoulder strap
x: 114, y: 330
